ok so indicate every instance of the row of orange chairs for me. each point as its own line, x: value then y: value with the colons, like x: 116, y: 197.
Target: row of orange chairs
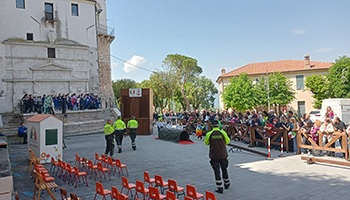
x: 112, y: 165
x: 65, y: 169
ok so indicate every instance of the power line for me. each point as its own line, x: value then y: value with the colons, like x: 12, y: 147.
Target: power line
x: 134, y: 64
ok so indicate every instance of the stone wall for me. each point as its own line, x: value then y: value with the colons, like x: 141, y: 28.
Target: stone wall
x: 107, y: 94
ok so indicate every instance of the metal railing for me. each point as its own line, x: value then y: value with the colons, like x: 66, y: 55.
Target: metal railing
x: 107, y: 30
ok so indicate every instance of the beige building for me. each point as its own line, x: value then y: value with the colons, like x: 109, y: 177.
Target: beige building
x: 296, y: 70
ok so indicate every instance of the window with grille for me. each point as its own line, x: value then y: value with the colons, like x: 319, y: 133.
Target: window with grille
x: 30, y: 36
x: 300, y: 82
x: 51, y: 52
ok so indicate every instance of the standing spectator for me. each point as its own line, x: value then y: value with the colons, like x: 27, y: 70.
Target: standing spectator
x: 24, y: 103
x: 22, y: 132
x: 340, y: 127
x: 293, y: 128
x: 30, y: 104
x: 48, y: 105
x: 64, y: 104
x: 40, y: 104
x: 329, y: 112
x: 55, y: 102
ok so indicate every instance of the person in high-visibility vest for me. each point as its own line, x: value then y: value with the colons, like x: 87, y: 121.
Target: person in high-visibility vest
x: 109, y: 136
x: 160, y: 116
x: 132, y: 129
x: 120, y: 128
x: 217, y: 141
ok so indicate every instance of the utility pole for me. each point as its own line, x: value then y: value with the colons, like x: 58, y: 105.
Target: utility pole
x: 268, y: 90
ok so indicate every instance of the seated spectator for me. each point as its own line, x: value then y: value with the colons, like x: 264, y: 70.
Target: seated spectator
x: 327, y: 129
x: 22, y: 132
x: 339, y: 126
x: 329, y: 113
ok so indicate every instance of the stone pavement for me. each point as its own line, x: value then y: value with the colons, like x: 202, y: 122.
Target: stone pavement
x: 251, y: 176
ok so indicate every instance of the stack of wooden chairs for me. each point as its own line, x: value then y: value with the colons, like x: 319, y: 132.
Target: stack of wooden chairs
x: 43, y: 181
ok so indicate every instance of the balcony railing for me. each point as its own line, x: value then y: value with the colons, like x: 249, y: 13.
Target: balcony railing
x: 107, y: 30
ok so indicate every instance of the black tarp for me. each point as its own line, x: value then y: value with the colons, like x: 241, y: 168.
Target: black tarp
x: 173, y: 135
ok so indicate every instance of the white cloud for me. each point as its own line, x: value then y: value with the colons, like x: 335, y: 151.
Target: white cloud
x: 299, y: 32
x: 323, y: 50
x: 151, y: 63
x: 114, y: 64
x: 135, y: 60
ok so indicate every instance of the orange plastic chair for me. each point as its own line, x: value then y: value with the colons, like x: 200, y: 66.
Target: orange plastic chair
x: 170, y: 196
x: 102, y: 170
x: 46, y: 178
x: 63, y: 170
x: 53, y: 164
x: 188, y: 198
x: 176, y: 189
x: 141, y: 188
x: 160, y: 183
x: 78, y: 175
x: 73, y: 196
x: 116, y: 195
x: 120, y: 167
x: 104, y: 160
x: 58, y: 166
x: 101, y: 191
x: 63, y: 194
x: 209, y: 196
x: 97, y: 159
x: 147, y: 179
x: 91, y: 167
x: 71, y: 173
x: 127, y: 185
x: 78, y: 161
x: 154, y: 194
x: 112, y: 165
x: 39, y: 169
x: 191, y: 192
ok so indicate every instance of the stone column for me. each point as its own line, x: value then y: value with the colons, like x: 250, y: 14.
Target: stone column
x: 104, y: 62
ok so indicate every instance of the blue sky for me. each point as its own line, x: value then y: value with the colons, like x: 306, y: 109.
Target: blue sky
x: 225, y: 33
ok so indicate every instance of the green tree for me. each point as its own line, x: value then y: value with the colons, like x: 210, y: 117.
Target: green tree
x: 122, y: 84
x: 184, y: 68
x: 281, y: 92
x: 339, y: 76
x: 240, y: 93
x: 319, y: 86
x: 200, y: 92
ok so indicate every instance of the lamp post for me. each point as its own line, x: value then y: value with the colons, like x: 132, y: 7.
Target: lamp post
x: 267, y: 85
x: 343, y: 73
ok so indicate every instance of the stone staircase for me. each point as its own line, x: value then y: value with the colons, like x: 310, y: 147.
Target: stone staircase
x: 11, y: 123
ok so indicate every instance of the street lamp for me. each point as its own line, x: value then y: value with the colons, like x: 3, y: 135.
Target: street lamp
x: 343, y: 73
x: 268, y: 87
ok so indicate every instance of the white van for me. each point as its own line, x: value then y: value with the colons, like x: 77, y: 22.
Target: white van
x: 340, y: 107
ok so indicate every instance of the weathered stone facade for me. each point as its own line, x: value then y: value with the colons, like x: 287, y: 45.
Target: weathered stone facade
x: 104, y: 62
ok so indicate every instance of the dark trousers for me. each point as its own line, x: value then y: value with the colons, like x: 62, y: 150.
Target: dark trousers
x: 133, y: 134
x: 24, y: 135
x: 109, y: 145
x: 216, y: 165
x: 119, y: 138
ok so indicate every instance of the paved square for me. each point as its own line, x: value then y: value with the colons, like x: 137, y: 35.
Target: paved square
x: 251, y: 176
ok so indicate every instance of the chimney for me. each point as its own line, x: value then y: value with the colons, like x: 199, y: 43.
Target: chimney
x: 223, y: 71
x: 307, y: 62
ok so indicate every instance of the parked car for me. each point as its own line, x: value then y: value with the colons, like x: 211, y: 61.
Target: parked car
x: 315, y: 115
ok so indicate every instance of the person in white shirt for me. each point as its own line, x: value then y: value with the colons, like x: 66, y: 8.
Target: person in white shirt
x: 327, y: 129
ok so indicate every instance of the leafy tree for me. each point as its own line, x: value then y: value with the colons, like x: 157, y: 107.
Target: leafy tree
x: 319, y: 86
x: 281, y: 92
x: 240, y: 93
x: 184, y: 68
x: 339, y: 76
x: 200, y: 92
x: 122, y: 84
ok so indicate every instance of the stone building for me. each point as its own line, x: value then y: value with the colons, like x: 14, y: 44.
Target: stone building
x: 51, y: 47
x: 295, y: 70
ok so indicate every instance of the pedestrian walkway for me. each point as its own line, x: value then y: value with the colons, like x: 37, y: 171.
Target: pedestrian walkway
x: 251, y: 176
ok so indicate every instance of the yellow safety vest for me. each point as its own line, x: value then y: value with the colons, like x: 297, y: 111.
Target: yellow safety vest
x: 119, y: 125
x: 108, y: 129
x: 133, y: 124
